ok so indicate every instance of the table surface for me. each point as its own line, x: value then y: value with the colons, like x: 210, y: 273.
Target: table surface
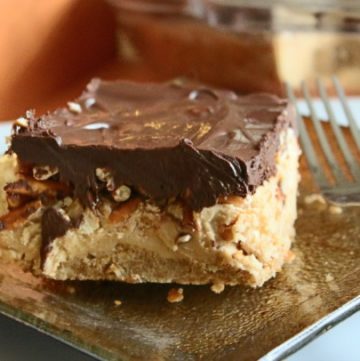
x: 19, y: 342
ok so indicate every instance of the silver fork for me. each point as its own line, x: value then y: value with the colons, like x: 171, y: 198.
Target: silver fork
x: 343, y: 192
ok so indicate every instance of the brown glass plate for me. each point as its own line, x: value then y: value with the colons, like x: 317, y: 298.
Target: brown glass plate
x: 317, y: 290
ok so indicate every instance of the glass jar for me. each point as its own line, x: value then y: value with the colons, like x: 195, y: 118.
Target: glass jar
x: 242, y: 44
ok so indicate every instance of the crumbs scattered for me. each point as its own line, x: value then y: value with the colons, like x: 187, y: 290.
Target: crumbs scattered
x: 70, y: 289
x: 217, y: 287
x: 315, y: 197
x: 329, y: 277
x: 335, y: 209
x: 175, y: 295
x: 117, y: 303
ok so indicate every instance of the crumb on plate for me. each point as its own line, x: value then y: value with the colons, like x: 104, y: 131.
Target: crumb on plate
x: 175, y: 295
x: 315, y: 197
x: 335, y: 209
x: 217, y: 287
x: 71, y: 289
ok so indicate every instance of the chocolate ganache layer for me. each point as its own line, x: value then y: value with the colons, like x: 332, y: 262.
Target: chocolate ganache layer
x: 174, y: 140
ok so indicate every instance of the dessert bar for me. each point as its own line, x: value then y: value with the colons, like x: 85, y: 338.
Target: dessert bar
x: 172, y: 182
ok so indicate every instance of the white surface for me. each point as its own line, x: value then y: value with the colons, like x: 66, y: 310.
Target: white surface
x: 5, y: 129
x: 354, y: 103
x: 342, y: 343
x: 339, y: 344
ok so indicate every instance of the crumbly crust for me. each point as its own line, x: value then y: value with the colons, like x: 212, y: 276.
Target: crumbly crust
x: 239, y: 240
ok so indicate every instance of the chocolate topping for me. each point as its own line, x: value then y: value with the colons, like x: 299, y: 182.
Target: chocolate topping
x: 54, y: 224
x: 164, y: 141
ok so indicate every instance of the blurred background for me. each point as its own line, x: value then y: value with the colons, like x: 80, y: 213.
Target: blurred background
x: 51, y: 49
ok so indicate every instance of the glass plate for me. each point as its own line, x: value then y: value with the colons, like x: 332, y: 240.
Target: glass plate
x: 317, y: 290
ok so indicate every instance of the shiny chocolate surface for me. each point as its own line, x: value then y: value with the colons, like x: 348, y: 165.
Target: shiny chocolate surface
x: 177, y: 139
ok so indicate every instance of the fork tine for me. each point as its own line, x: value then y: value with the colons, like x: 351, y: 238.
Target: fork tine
x: 307, y: 145
x: 339, y: 177
x: 353, y: 165
x: 352, y: 123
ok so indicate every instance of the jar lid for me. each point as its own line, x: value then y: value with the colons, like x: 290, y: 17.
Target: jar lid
x: 251, y: 15
x: 257, y: 15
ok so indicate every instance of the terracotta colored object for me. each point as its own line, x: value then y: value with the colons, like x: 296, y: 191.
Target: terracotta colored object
x: 179, y: 45
x: 48, y: 45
